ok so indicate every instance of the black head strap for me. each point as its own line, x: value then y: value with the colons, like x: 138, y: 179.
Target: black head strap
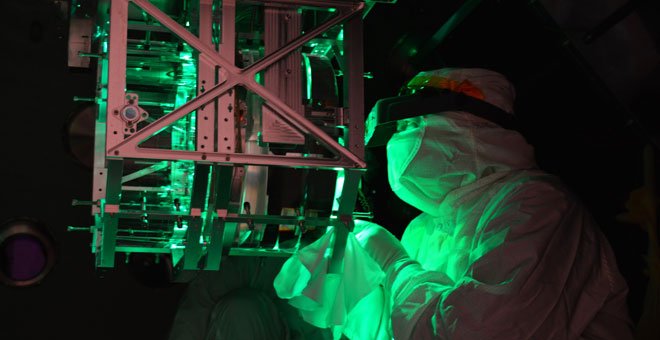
x: 432, y: 101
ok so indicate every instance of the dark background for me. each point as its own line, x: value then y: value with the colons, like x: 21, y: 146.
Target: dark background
x: 589, y: 108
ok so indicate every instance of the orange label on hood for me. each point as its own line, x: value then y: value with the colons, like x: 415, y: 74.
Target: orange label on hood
x: 464, y: 87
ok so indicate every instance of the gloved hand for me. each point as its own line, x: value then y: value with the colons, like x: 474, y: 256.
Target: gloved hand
x: 380, y: 244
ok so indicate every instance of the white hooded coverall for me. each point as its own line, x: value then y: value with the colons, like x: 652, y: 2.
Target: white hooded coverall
x: 501, y: 250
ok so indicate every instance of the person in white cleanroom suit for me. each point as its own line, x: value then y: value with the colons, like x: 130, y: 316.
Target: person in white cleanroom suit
x: 501, y: 249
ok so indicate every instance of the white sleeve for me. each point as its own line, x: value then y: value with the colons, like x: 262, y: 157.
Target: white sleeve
x: 545, y: 280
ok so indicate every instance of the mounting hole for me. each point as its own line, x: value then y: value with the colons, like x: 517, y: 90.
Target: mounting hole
x: 130, y: 113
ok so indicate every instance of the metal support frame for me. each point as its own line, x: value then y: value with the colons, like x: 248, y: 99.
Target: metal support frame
x: 117, y: 146
x: 211, y: 222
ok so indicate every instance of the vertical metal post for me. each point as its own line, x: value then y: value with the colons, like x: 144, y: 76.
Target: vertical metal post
x: 193, y: 249
x: 354, y: 84
x: 344, y: 225
x: 206, y: 78
x: 106, y: 258
x: 116, y: 70
x: 99, y: 177
x: 255, y: 182
x: 226, y: 103
x: 354, y: 96
x: 222, y: 234
x: 100, y: 171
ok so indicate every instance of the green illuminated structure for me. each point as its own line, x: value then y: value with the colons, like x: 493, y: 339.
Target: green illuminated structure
x: 219, y: 125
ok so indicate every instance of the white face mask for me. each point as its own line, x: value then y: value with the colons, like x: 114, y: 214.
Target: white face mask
x: 401, y: 150
x: 422, y: 171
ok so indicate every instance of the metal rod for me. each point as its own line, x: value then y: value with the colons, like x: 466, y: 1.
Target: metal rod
x: 148, y: 189
x: 90, y: 55
x: 261, y: 252
x: 441, y: 34
x: 146, y: 171
x: 609, y: 22
x: 252, y: 159
x: 184, y: 34
x: 315, y: 3
x: 130, y: 249
x: 116, y: 71
x: 72, y: 228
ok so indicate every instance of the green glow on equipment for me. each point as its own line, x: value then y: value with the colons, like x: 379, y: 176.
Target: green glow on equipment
x: 308, y: 73
x: 341, y: 176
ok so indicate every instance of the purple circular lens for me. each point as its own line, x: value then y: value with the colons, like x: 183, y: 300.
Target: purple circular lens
x: 24, y: 257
